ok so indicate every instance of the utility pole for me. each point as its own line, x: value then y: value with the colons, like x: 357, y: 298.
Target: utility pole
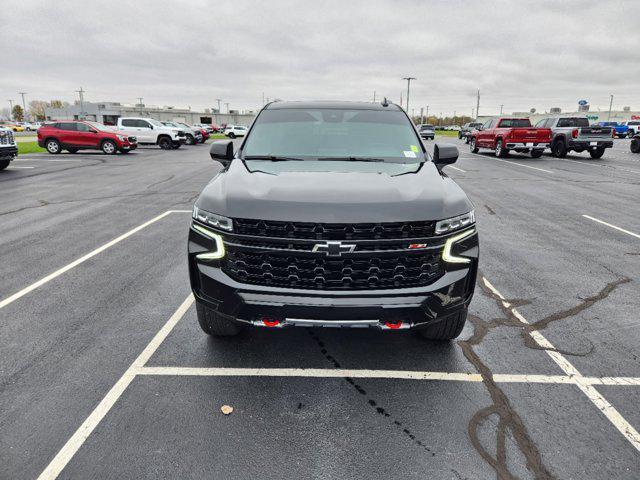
x: 263, y: 99
x: 10, y: 108
x: 454, y: 117
x: 374, y: 96
x: 610, y: 105
x: 81, y: 94
x: 421, y: 115
x: 427, y: 113
x: 501, y: 109
x: 472, y: 117
x: 408, y: 79
x: 140, y: 99
x: 24, y: 106
x: 219, y: 100
x: 227, y: 105
x: 478, y: 104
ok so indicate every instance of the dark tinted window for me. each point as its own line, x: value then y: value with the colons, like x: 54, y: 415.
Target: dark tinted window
x: 69, y: 126
x: 515, y: 123
x: 129, y: 123
x: 426, y: 127
x: 573, y: 122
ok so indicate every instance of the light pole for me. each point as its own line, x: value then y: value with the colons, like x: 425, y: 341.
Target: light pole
x: 408, y: 79
x: 81, y: 94
x: 610, y: 105
x: 10, y: 108
x: 140, y: 99
x: 219, y: 100
x: 227, y: 105
x: 24, y: 106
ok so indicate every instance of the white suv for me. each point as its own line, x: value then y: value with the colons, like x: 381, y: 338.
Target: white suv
x: 233, y: 131
x: 152, y: 132
x: 8, y: 147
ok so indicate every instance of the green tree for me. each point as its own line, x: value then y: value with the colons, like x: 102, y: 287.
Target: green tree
x: 18, y: 113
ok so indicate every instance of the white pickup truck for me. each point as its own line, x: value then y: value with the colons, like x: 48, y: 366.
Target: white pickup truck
x: 152, y: 132
x: 8, y: 147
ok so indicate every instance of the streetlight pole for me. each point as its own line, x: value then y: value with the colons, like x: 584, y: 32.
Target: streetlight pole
x: 140, y: 99
x: 24, y: 106
x: 219, y: 100
x: 10, y: 108
x: 81, y: 94
x: 408, y: 79
x: 610, y: 105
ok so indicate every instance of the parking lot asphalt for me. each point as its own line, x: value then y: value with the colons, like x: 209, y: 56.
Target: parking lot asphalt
x: 105, y: 373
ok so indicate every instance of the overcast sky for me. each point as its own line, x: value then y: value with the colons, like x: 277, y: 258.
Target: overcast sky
x: 520, y: 54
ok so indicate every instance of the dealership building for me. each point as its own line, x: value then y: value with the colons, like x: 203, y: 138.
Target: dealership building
x: 109, y: 112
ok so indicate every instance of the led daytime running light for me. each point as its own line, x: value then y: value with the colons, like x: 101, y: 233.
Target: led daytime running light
x: 447, y: 256
x: 219, y: 253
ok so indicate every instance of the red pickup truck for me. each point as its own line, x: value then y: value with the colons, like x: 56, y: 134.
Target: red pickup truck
x: 504, y: 134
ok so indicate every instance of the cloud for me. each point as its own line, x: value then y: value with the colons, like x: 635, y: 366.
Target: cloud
x: 520, y: 55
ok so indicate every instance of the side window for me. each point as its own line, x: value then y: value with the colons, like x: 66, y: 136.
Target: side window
x: 487, y: 124
x: 129, y: 123
x: 142, y: 124
x: 83, y: 127
x: 68, y: 126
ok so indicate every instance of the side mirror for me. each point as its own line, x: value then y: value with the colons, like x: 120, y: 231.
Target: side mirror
x: 222, y: 151
x: 444, y: 154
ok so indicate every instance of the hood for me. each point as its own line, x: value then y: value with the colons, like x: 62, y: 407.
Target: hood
x: 334, y: 197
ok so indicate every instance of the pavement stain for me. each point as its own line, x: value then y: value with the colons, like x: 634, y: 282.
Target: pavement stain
x: 370, y: 401
x: 489, y: 209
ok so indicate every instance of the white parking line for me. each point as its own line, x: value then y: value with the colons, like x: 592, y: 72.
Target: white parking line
x: 511, y: 163
x: 82, y: 259
x: 608, y: 410
x: 383, y: 374
x: 456, y: 168
x: 18, y: 168
x: 70, y: 448
x: 612, y: 226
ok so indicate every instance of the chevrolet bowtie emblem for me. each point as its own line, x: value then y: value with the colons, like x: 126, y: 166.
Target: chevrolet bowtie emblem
x: 333, y: 249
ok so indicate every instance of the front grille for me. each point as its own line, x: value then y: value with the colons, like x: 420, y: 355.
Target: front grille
x: 281, y: 254
x: 321, y: 272
x: 333, y: 231
x: 6, y: 138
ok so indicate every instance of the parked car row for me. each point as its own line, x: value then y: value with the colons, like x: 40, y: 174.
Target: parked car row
x: 75, y: 135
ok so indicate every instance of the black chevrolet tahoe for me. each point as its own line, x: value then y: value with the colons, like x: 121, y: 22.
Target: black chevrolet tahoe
x: 333, y: 214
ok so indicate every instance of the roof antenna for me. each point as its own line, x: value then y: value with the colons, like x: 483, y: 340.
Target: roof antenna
x: 385, y: 102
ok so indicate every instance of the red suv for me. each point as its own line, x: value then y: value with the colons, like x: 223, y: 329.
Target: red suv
x: 81, y: 135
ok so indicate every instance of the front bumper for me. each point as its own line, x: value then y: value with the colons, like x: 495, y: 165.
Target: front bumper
x: 399, y: 308
x: 8, y: 151
x: 129, y: 146
x: 527, y: 145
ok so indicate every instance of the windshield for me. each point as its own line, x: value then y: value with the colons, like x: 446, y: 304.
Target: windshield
x: 340, y: 134
x: 514, y: 122
x: 155, y: 122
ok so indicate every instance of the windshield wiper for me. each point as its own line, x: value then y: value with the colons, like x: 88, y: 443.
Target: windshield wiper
x: 350, y: 159
x: 272, y: 158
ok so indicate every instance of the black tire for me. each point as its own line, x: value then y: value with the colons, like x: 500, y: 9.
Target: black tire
x: 190, y: 140
x: 109, y: 147
x: 559, y: 149
x: 472, y: 145
x: 212, y: 323
x: 176, y: 145
x: 459, y: 135
x: 446, y: 329
x: 165, y: 143
x: 597, y: 152
x: 635, y: 145
x: 501, y: 151
x: 232, y: 135
x: 536, y: 153
x: 4, y: 164
x: 53, y: 146
x: 72, y: 150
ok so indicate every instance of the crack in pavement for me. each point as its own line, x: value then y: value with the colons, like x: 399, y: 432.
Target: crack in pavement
x: 509, y: 419
x: 489, y: 209
x: 170, y: 177
x: 379, y: 409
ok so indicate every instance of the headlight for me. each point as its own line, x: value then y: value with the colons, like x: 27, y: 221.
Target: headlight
x: 122, y: 138
x: 455, y: 223
x: 219, y: 250
x: 447, y: 256
x: 216, y: 221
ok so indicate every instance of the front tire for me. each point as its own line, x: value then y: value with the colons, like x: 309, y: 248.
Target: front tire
x: 597, y: 152
x: 165, y: 143
x: 232, y: 135
x: 53, y: 146
x: 559, y: 149
x: 212, y: 323
x: 472, y: 145
x: 109, y: 147
x: 4, y: 164
x: 190, y: 140
x: 446, y: 329
x: 635, y: 145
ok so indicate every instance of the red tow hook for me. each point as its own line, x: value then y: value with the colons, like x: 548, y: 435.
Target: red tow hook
x: 270, y: 322
x: 393, y: 324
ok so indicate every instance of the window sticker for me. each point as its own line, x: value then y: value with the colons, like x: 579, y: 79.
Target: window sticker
x: 414, y: 148
x: 409, y: 154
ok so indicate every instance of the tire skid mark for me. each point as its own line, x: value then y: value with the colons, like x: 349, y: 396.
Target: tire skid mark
x: 379, y: 409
